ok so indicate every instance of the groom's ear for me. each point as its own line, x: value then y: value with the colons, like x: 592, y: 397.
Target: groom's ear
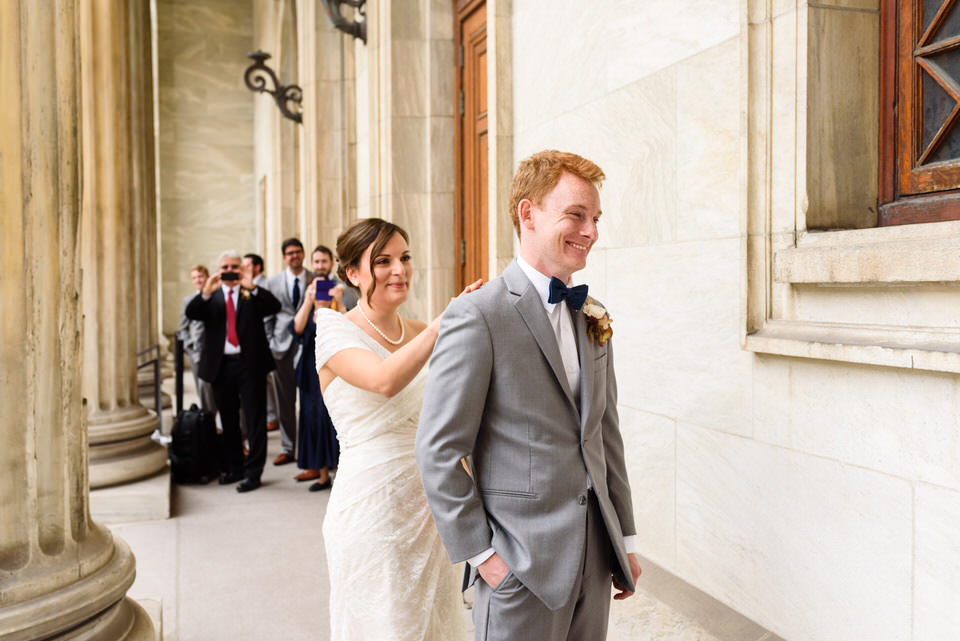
x: 525, y: 213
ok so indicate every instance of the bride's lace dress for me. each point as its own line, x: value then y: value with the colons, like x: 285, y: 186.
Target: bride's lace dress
x: 390, y: 578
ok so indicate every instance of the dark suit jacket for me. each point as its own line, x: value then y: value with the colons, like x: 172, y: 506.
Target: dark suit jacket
x: 253, y: 342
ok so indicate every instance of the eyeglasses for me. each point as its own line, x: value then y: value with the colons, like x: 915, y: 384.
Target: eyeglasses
x: 293, y: 252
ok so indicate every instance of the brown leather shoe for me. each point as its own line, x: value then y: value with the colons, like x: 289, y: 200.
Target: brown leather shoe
x: 307, y: 475
x: 272, y: 426
x: 283, y: 459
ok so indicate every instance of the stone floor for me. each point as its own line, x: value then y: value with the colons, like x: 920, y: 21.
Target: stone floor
x: 251, y: 567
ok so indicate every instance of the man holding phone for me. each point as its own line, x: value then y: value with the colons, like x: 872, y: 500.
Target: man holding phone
x: 236, y: 360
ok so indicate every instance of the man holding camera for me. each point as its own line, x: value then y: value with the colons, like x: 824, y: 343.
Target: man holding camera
x: 236, y: 360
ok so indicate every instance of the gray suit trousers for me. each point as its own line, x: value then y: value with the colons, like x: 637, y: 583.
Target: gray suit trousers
x: 499, y: 613
x: 286, y: 383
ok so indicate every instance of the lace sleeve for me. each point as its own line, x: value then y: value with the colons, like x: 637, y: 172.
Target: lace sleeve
x: 334, y: 334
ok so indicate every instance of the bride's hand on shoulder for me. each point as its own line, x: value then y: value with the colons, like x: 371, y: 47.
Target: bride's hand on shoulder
x: 472, y: 287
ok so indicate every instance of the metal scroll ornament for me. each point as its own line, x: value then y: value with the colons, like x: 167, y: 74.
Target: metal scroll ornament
x: 258, y: 76
x: 357, y: 29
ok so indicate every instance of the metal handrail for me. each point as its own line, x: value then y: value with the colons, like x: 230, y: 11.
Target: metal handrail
x: 157, y: 378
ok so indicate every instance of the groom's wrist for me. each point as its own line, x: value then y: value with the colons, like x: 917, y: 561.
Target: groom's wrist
x: 475, y: 561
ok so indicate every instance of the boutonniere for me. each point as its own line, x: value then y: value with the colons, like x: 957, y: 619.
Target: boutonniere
x: 599, y: 328
x: 244, y: 293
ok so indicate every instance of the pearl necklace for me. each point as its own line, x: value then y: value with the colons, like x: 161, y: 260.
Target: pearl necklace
x: 403, y: 328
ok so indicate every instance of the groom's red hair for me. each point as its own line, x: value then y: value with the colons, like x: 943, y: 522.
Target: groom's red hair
x: 539, y: 173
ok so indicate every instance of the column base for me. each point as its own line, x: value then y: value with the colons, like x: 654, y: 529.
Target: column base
x: 93, y: 608
x: 121, y: 450
x: 125, y: 461
x: 144, y: 500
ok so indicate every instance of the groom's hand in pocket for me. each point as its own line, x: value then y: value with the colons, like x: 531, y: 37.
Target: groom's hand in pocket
x: 493, y: 570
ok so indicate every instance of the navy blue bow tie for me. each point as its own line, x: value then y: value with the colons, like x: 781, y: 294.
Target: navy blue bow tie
x: 575, y: 296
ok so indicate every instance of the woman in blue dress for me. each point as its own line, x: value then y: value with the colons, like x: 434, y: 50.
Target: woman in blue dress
x: 319, y: 450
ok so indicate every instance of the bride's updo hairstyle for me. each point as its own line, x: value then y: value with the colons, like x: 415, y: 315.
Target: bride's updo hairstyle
x: 355, y: 239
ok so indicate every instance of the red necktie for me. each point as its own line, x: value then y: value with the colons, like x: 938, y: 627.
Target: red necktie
x: 231, y: 321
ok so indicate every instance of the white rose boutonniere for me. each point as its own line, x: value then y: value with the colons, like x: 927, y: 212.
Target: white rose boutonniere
x: 244, y: 293
x: 599, y: 327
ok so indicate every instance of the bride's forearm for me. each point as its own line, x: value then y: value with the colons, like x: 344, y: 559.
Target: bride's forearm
x: 387, y: 376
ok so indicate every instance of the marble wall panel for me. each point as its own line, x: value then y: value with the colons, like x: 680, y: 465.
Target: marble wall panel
x: 812, y: 549
x: 204, y: 131
x: 441, y: 20
x: 548, y: 79
x: 937, y: 565
x: 708, y: 144
x: 408, y: 79
x: 410, y: 170
x: 442, y: 70
x: 441, y: 158
x: 631, y: 134
x: 443, y: 254
x: 651, y: 443
x: 408, y: 19
x: 206, y: 126
x: 605, y: 48
x: 205, y: 17
x: 676, y: 311
x: 863, y: 415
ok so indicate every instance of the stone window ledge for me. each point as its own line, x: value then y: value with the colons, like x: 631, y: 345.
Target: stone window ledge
x: 900, y: 255
x: 914, y: 348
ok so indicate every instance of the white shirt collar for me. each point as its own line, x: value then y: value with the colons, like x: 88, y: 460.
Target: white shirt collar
x: 227, y: 290
x: 540, y: 282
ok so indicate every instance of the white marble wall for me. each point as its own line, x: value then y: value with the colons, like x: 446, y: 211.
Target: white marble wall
x: 819, y: 499
x: 207, y: 188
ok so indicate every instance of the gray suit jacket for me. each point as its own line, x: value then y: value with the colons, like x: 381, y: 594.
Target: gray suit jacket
x: 278, y: 327
x: 190, y: 331
x: 497, y: 392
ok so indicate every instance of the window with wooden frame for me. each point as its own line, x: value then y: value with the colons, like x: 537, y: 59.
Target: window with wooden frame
x: 920, y: 119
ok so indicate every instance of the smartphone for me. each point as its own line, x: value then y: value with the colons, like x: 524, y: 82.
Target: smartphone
x: 229, y: 277
x: 324, y: 285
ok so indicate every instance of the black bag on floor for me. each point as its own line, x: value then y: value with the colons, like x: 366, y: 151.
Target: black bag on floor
x: 194, y: 450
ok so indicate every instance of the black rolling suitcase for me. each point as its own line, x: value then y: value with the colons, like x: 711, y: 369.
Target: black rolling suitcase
x: 194, y: 450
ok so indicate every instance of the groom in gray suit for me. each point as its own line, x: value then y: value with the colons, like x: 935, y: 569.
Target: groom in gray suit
x: 522, y: 388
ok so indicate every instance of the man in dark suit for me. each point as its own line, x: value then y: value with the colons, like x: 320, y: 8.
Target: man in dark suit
x: 236, y: 360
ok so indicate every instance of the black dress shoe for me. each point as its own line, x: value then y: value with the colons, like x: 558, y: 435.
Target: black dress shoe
x: 230, y: 478
x: 248, y: 485
x: 318, y: 486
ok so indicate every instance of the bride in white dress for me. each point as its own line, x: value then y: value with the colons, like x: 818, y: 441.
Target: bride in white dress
x: 390, y: 577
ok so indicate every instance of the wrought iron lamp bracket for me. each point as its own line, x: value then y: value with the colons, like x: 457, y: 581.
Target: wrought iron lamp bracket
x: 256, y: 77
x: 357, y: 29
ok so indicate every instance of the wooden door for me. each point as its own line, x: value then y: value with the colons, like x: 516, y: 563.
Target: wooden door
x: 471, y: 141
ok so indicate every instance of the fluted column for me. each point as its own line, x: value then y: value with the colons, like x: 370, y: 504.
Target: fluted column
x: 119, y: 426
x: 144, y: 209
x: 61, y: 575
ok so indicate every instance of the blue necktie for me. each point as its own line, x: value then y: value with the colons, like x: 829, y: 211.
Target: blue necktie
x: 575, y: 296
x: 296, y: 293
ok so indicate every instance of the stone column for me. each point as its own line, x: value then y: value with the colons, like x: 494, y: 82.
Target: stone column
x: 144, y: 210
x: 119, y: 426
x: 61, y: 575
